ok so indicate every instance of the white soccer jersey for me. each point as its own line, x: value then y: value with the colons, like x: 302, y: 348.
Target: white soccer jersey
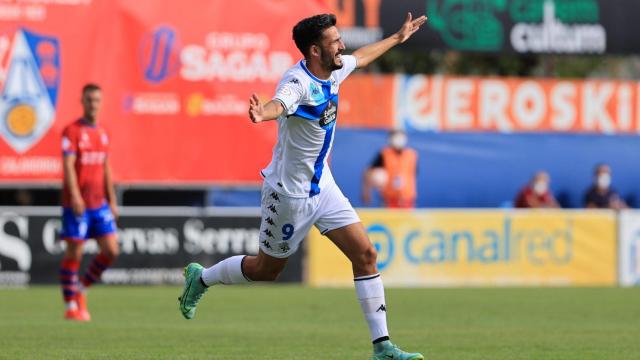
x: 299, y: 167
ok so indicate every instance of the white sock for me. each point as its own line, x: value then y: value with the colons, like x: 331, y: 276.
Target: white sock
x: 227, y: 272
x: 370, y: 293
x: 71, y: 305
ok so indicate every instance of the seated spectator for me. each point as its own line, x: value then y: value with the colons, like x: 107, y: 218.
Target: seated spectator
x: 393, y: 172
x: 601, y: 195
x: 536, y: 194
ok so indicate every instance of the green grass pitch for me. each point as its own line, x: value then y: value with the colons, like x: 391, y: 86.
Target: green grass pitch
x: 293, y: 322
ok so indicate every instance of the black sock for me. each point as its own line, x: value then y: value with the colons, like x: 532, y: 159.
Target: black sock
x: 381, y: 339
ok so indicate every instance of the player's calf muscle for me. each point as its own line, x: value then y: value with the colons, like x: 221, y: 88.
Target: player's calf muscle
x: 257, y: 269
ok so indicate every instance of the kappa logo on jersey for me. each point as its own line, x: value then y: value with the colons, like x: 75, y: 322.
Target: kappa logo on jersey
x: 269, y: 233
x: 269, y: 221
x: 29, y: 83
x: 329, y: 114
x: 273, y: 209
x: 275, y: 197
x: 266, y: 244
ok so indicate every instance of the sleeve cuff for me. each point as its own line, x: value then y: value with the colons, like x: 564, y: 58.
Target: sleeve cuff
x: 283, y: 105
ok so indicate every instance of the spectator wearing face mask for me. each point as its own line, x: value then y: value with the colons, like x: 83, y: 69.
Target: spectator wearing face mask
x: 536, y: 194
x: 601, y: 195
x: 393, y: 172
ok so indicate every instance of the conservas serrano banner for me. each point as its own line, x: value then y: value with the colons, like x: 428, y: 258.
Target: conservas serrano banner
x: 154, y: 246
x: 478, y: 248
x: 176, y: 77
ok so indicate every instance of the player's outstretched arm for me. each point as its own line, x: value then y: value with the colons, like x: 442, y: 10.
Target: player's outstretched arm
x: 259, y: 112
x: 367, y: 54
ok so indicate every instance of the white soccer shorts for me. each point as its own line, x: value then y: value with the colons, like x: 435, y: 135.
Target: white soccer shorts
x: 286, y: 221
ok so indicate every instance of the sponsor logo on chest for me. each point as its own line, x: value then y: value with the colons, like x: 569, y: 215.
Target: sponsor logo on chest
x: 328, y: 115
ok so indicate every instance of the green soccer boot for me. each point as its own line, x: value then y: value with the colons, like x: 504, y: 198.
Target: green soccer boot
x: 385, y: 350
x: 193, y: 290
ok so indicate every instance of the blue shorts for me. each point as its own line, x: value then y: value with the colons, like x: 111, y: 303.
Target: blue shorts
x: 92, y: 224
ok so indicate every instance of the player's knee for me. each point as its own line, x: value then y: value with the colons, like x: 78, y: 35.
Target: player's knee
x: 109, y: 247
x: 73, y: 251
x: 111, y: 253
x: 366, y: 260
x: 370, y: 256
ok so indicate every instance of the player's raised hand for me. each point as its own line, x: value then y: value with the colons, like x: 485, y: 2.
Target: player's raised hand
x: 410, y: 26
x: 256, y: 109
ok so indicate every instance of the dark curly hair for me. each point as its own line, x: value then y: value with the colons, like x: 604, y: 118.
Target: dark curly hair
x: 308, y: 31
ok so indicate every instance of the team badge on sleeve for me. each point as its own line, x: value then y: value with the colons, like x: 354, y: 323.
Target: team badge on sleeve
x: 66, y: 143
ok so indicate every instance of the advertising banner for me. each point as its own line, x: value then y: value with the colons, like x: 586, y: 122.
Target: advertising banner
x: 519, y: 26
x: 154, y: 247
x: 500, y: 105
x: 176, y: 79
x: 629, y: 248
x: 478, y: 248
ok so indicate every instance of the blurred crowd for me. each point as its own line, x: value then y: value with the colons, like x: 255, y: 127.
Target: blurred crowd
x: 600, y: 195
x: 393, y: 174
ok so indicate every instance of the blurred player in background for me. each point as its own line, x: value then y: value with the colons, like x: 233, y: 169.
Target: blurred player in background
x: 89, y: 203
x: 299, y: 190
x: 393, y: 172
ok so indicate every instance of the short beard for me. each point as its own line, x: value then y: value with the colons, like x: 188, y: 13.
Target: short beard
x: 327, y: 61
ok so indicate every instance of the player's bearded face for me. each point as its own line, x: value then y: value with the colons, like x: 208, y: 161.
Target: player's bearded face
x: 331, y: 49
x: 331, y: 59
x: 91, y: 103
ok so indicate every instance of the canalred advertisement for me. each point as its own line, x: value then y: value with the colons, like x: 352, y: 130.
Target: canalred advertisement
x: 176, y: 78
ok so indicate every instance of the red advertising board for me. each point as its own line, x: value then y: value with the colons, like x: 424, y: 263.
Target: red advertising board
x: 176, y: 77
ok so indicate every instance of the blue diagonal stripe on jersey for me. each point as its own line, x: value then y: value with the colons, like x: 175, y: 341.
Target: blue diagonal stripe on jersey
x: 319, y: 164
x: 310, y: 112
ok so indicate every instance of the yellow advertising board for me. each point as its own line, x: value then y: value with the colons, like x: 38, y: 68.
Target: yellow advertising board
x: 478, y: 248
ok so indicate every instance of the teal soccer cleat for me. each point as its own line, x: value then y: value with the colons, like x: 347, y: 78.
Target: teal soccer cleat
x: 385, y: 350
x: 193, y: 290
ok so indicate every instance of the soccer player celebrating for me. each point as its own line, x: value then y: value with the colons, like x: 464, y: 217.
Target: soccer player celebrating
x: 299, y: 190
x: 89, y: 203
